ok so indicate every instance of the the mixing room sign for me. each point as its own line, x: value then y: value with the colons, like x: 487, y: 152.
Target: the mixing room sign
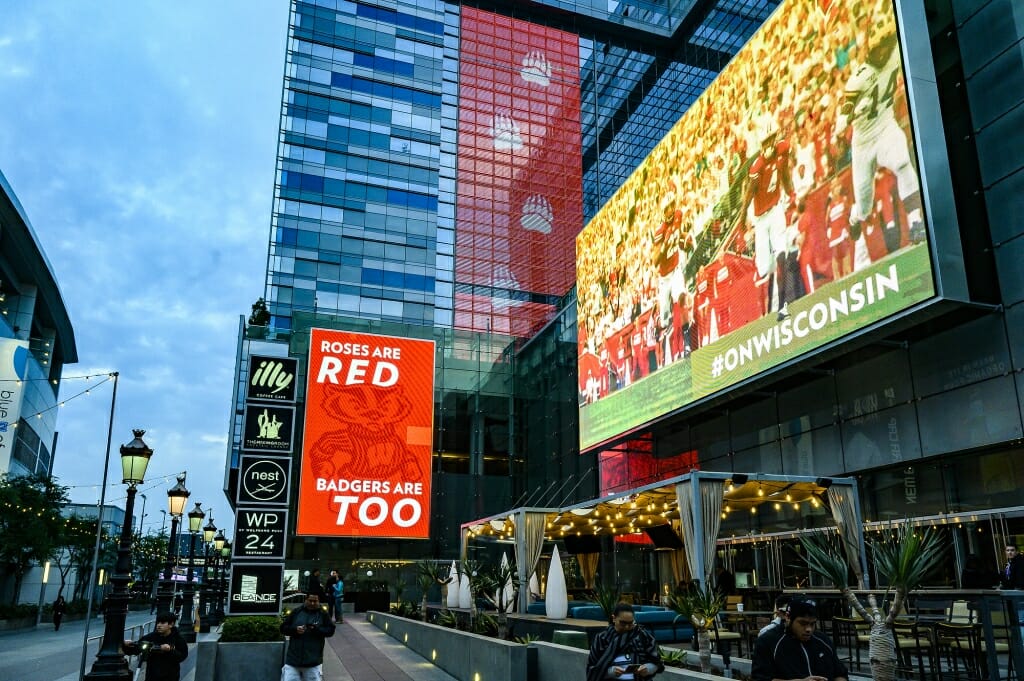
x: 268, y: 428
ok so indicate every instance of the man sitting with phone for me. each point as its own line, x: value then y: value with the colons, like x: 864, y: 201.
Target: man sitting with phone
x: 624, y: 651
x: 797, y: 651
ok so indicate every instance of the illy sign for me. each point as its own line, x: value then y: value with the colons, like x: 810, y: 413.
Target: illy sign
x: 263, y: 481
x: 272, y: 379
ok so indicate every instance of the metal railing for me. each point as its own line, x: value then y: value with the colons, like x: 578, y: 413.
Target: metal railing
x: 132, y: 633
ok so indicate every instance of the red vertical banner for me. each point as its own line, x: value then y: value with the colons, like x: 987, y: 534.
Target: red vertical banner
x: 519, y: 193
x: 366, y: 452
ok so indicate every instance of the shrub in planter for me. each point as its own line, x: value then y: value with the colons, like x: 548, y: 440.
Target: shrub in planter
x: 20, y: 611
x: 251, y: 628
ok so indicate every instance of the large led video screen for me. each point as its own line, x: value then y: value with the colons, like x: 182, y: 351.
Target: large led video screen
x: 780, y: 213
x: 366, y: 452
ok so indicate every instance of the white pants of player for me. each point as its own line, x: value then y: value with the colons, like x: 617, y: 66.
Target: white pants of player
x: 769, y: 238
x: 888, y: 149
x: 290, y: 673
x: 670, y: 287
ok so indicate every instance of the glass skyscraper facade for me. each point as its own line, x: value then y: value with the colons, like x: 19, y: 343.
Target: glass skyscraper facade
x: 363, y: 220
x: 436, y: 160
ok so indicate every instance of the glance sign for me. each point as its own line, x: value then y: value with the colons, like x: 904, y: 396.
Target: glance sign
x: 255, y: 589
x: 368, y: 437
x: 263, y: 481
x: 260, y: 533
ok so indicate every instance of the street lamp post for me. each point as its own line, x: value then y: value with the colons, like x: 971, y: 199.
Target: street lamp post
x: 177, y: 496
x: 110, y: 663
x: 142, y: 516
x: 216, y: 609
x: 187, y: 623
x: 205, y: 594
x: 225, y: 553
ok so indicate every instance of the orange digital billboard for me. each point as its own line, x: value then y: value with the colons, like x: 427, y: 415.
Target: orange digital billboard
x: 367, y: 444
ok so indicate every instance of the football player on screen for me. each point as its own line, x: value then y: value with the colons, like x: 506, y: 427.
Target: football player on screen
x: 877, y: 138
x: 765, y: 204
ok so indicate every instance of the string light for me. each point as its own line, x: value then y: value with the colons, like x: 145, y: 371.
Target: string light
x: 107, y: 378
x: 54, y: 381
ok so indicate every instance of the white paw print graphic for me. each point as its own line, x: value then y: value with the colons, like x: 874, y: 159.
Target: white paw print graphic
x: 536, y: 68
x: 503, y: 279
x: 506, y: 133
x: 537, y: 215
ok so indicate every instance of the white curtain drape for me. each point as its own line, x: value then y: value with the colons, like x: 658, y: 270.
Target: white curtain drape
x: 684, y: 498
x: 710, y: 509
x: 711, y: 495
x: 533, y: 538
x: 588, y: 568
x: 840, y: 501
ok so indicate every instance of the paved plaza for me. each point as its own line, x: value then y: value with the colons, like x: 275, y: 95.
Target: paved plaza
x: 358, y: 650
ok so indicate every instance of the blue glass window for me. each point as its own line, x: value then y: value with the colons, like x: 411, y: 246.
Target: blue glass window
x: 399, y: 19
x: 287, y: 236
x: 412, y: 200
x: 304, y: 181
x: 356, y: 84
x: 372, y: 277
x: 394, y: 279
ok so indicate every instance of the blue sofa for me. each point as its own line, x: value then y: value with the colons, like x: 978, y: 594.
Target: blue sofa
x: 587, y: 611
x: 667, y: 625
x: 539, y: 608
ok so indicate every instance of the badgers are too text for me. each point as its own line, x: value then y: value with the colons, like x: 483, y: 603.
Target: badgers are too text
x: 367, y: 445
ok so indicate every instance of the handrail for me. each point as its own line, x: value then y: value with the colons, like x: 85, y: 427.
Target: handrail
x: 129, y: 633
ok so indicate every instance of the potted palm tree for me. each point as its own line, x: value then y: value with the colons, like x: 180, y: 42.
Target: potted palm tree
x: 607, y: 596
x: 701, y: 607
x: 499, y: 586
x: 428, y: 573
x: 904, y: 556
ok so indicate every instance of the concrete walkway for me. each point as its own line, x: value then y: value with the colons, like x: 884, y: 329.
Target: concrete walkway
x: 360, y: 651
x: 357, y: 651
x: 42, y: 654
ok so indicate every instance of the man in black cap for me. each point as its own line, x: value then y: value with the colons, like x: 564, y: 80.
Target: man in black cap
x: 797, y: 651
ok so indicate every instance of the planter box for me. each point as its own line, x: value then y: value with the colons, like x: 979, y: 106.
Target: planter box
x: 248, y: 661
x: 21, y: 623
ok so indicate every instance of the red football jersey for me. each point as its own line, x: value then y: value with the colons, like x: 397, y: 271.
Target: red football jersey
x: 766, y: 174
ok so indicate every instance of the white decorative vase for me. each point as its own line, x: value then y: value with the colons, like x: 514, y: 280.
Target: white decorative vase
x: 453, y: 587
x: 556, y: 600
x: 465, y: 600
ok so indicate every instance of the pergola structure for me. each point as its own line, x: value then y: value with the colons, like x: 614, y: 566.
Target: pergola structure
x: 698, y: 500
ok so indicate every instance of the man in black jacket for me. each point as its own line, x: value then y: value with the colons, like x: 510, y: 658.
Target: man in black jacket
x: 164, y: 650
x: 624, y: 651
x: 1012, y: 576
x: 797, y: 651
x: 307, y: 628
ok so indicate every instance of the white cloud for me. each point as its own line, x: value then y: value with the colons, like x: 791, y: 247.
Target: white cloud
x: 149, y: 187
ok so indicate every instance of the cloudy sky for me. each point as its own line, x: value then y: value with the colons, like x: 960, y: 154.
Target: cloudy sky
x: 140, y: 138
